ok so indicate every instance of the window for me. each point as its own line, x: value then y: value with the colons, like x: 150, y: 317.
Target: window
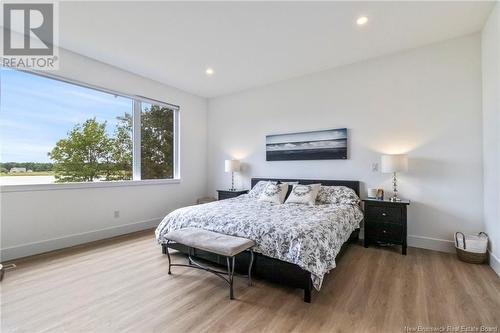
x: 157, y: 142
x: 53, y: 131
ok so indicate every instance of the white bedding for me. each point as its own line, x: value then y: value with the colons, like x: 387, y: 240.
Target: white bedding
x: 308, y: 236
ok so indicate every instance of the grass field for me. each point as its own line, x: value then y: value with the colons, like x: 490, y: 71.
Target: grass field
x: 34, y: 173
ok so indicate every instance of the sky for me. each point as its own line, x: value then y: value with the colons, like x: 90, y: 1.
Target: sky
x: 36, y: 112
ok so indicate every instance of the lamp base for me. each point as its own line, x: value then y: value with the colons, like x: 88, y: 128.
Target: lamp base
x: 232, y: 189
x: 395, y: 197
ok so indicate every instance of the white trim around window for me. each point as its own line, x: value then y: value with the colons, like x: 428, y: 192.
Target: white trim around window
x: 84, y: 185
x: 136, y: 140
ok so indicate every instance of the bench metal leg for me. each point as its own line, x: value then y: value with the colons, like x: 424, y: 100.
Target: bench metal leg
x: 230, y: 267
x: 230, y: 274
x: 168, y: 255
x: 190, y: 253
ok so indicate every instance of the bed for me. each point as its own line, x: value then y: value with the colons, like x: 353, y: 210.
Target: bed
x: 296, y: 244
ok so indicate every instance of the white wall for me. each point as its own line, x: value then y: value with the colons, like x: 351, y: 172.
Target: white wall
x: 491, y: 135
x: 37, y: 221
x: 425, y: 102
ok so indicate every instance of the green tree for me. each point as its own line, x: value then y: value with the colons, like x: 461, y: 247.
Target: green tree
x: 122, y: 148
x: 89, y: 153
x: 35, y: 166
x: 157, y: 138
x: 85, y: 155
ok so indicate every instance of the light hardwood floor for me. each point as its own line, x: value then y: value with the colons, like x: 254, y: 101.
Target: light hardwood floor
x: 121, y: 285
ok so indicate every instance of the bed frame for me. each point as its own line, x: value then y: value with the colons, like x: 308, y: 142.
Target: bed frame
x: 272, y: 269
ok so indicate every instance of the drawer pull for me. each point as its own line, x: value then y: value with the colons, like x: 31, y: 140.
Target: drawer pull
x: 384, y: 214
x: 384, y: 231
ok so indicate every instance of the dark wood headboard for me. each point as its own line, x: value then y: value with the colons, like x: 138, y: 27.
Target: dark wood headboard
x: 354, y: 184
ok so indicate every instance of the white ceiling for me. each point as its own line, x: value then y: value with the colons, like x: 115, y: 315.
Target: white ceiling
x: 253, y: 44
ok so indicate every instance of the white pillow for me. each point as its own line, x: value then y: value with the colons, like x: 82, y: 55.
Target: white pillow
x: 256, y: 191
x: 304, y: 194
x: 274, y: 193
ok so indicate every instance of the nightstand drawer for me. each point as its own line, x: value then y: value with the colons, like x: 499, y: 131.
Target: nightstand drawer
x: 388, y: 232
x: 384, y: 214
x: 226, y: 195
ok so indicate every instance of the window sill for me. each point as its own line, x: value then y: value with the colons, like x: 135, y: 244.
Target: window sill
x: 76, y: 186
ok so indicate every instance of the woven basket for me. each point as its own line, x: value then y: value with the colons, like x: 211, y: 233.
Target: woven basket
x: 472, y: 248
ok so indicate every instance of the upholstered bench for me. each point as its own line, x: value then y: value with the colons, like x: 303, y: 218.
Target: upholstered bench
x: 223, y: 245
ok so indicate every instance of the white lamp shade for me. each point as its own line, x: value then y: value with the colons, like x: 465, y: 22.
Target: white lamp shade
x: 394, y: 163
x: 232, y: 165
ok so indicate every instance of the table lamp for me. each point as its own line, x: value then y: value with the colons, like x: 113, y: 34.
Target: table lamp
x: 394, y: 164
x: 232, y: 166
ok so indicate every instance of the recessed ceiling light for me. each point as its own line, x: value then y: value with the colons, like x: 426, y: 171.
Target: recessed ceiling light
x: 209, y: 71
x: 362, y: 20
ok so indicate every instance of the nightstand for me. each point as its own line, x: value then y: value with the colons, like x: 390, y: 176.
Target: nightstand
x: 385, y: 223
x: 228, y: 194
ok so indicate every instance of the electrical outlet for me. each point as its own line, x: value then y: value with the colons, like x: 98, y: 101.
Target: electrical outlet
x: 374, y: 167
x: 117, y: 214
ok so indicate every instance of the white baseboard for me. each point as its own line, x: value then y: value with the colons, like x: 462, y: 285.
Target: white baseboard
x: 444, y: 245
x: 429, y: 243
x: 29, y: 249
x: 76, y: 239
x: 494, y: 263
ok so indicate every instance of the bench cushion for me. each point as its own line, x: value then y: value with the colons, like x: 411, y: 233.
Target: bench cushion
x: 210, y: 241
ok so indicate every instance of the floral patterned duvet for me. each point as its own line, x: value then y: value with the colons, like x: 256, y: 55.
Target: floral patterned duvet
x: 308, y: 236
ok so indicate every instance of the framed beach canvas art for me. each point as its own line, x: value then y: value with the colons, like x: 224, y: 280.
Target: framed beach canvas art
x: 316, y: 145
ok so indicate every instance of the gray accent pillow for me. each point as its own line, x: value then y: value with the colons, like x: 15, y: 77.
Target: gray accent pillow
x: 256, y: 191
x: 328, y: 195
